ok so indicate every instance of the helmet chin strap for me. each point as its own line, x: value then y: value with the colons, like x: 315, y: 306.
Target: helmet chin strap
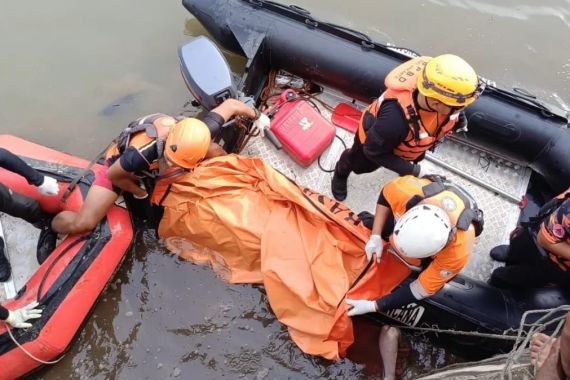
x: 423, y: 102
x: 395, y: 253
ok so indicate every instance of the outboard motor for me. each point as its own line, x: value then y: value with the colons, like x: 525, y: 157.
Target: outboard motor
x: 206, y: 72
x: 208, y: 77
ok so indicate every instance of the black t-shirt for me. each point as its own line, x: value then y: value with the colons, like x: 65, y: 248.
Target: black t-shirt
x: 387, y: 132
x: 135, y: 160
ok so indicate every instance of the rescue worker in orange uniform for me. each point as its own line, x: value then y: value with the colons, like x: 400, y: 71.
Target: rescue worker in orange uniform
x: 149, y: 147
x: 435, y: 221
x: 422, y: 104
x: 539, y: 250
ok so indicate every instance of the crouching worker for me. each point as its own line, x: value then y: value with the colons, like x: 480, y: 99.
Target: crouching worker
x: 21, y: 206
x: 539, y: 250
x: 149, y: 146
x: 436, y: 223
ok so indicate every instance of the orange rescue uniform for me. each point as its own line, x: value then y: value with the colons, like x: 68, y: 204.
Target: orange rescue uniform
x: 448, y: 262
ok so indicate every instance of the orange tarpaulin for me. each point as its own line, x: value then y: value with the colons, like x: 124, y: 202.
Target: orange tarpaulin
x: 260, y: 227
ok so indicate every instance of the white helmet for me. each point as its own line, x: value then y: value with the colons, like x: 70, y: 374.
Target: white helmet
x: 421, y: 232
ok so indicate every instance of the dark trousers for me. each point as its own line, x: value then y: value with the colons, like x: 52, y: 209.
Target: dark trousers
x: 20, y: 206
x: 354, y: 160
x: 528, y: 265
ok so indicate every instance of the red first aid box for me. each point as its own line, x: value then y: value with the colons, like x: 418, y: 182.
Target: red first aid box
x: 300, y: 127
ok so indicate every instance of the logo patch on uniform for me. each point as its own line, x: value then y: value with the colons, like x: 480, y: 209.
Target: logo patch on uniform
x: 448, y: 204
x: 558, y: 230
x: 445, y: 273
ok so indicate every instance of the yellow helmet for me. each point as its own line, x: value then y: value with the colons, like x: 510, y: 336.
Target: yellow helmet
x: 187, y: 143
x: 451, y: 80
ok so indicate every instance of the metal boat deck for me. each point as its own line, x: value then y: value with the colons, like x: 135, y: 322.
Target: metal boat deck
x: 501, y: 213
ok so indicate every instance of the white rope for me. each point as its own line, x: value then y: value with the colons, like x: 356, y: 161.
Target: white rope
x: 516, y: 362
x: 459, y: 332
x: 26, y: 351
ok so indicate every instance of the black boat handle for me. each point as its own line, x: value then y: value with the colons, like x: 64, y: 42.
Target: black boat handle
x: 311, y: 22
x: 299, y: 9
x: 367, y: 45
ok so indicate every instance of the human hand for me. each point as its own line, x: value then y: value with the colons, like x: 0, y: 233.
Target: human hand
x: 375, y: 245
x: 360, y: 307
x: 143, y: 194
x: 262, y: 123
x: 18, y: 318
x: 49, y: 186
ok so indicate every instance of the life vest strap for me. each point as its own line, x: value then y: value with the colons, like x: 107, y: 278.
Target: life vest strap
x: 414, y: 121
x: 470, y: 214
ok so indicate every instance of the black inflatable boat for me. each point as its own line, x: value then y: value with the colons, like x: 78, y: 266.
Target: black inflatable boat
x: 513, y: 123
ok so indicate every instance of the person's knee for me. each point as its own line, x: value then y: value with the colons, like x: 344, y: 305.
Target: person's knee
x: 85, y: 223
x: 390, y: 332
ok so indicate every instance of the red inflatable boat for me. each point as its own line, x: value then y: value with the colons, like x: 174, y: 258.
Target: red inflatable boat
x: 70, y: 281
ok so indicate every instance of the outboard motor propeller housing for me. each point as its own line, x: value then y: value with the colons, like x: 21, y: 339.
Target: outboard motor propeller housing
x: 206, y: 72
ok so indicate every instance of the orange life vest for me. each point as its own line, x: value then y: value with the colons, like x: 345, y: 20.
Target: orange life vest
x: 400, y: 86
x: 163, y: 183
x: 141, y: 132
x: 546, y: 211
x: 403, y: 193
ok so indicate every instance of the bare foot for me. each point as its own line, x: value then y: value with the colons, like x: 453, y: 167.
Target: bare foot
x: 540, y: 345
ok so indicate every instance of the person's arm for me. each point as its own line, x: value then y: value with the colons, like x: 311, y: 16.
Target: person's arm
x: 380, y: 217
x: 383, y: 212
x: 389, y: 129
x: 232, y: 107
x: 561, y: 249
x: 216, y: 118
x: 124, y: 180
x: 120, y: 173
x: 13, y: 163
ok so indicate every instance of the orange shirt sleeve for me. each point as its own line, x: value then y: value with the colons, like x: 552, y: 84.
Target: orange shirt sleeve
x: 447, y: 263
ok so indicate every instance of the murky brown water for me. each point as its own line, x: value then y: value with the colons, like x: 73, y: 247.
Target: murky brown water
x: 73, y: 74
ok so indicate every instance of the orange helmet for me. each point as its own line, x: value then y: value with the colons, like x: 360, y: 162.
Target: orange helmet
x: 187, y: 143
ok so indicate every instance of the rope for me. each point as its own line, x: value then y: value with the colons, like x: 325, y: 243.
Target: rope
x: 319, y: 159
x: 459, y: 332
x: 538, y: 326
x: 29, y: 354
x: 517, y: 359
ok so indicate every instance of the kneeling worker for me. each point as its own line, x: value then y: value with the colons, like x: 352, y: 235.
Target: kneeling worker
x: 539, y: 250
x: 149, y: 147
x: 435, y: 220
